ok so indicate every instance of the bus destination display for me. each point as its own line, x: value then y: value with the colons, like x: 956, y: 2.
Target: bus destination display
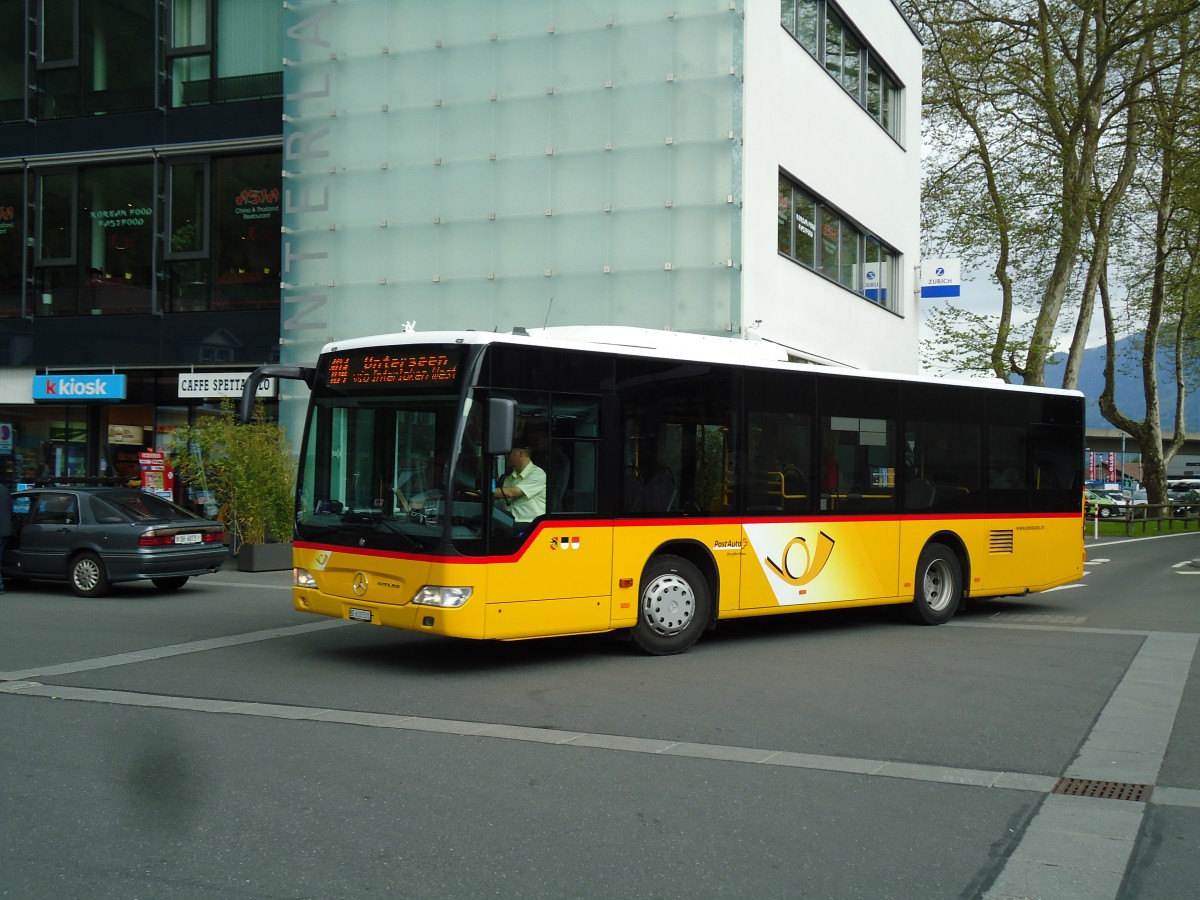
x: 402, y: 370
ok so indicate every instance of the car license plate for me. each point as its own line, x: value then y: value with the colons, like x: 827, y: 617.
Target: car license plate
x: 187, y: 538
x: 360, y: 615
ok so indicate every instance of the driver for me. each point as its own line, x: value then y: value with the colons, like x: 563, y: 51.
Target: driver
x: 524, y: 487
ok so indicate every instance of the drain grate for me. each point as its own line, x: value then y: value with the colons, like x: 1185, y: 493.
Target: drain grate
x: 1106, y: 790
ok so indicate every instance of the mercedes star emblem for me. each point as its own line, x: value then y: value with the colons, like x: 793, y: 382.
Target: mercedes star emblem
x: 360, y: 584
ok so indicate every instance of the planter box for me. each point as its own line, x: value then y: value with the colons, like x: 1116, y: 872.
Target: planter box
x: 264, y: 557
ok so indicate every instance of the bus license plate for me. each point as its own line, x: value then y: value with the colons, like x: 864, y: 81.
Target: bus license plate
x: 187, y: 538
x: 360, y: 615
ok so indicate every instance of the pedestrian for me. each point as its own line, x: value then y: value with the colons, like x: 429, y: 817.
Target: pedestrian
x: 5, y: 524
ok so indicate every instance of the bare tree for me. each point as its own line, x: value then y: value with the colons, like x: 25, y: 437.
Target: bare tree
x: 1032, y: 137
x: 1169, y: 198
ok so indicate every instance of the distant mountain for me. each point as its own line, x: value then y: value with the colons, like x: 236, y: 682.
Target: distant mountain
x: 1130, y: 399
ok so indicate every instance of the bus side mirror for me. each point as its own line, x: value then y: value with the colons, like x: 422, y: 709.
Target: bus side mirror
x: 502, y: 419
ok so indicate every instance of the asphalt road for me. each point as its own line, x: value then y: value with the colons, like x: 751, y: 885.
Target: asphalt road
x: 215, y: 743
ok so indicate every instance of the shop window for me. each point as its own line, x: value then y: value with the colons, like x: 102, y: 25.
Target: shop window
x: 246, y: 199
x: 56, y: 217
x: 95, y: 241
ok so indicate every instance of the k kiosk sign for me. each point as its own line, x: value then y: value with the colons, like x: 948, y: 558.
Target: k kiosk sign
x: 76, y: 388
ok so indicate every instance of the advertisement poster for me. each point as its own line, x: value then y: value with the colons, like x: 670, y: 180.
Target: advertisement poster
x: 157, y: 476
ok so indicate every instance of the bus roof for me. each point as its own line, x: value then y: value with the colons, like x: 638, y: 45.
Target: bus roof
x: 633, y: 341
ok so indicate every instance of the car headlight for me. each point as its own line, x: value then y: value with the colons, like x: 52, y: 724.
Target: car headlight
x: 437, y: 595
x: 302, y: 578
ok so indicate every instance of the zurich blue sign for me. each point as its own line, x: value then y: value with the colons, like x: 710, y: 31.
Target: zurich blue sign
x: 79, y: 387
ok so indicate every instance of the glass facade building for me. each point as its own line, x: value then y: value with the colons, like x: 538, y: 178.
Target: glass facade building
x: 484, y: 164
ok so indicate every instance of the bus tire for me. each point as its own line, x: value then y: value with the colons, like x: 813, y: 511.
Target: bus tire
x: 673, y: 605
x: 937, y: 587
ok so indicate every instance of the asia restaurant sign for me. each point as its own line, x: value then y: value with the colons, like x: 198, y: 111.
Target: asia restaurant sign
x: 257, y: 203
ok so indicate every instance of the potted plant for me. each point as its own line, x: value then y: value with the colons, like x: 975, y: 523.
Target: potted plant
x: 249, y: 473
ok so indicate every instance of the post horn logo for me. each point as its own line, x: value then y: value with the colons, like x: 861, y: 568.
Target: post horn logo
x: 814, y: 560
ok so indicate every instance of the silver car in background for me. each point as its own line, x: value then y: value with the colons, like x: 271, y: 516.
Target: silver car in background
x: 93, y: 537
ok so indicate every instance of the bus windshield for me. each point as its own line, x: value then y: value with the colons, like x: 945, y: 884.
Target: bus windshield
x: 377, y: 473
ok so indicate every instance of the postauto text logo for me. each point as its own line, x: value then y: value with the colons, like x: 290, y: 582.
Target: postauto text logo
x: 79, y: 387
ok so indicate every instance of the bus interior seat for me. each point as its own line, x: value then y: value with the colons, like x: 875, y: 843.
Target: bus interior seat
x: 560, y: 474
x: 631, y: 490
x: 918, y: 493
x: 659, y: 492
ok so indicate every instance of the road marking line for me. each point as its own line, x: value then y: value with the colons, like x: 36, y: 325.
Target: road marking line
x: 137, y: 656
x: 981, y: 778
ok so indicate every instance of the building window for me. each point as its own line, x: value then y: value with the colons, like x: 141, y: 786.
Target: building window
x: 825, y: 32
x: 94, y: 58
x: 224, y: 240
x: 12, y: 62
x: 95, y: 241
x: 845, y: 254
x: 12, y: 240
x: 225, y: 50
x: 104, y: 243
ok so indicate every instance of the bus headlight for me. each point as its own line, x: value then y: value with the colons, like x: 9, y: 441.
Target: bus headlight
x: 302, y: 578
x: 446, y: 597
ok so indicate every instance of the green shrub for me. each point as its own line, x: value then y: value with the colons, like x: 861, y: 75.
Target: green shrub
x: 248, y: 470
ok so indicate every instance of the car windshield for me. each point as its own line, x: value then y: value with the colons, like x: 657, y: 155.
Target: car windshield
x: 140, y: 506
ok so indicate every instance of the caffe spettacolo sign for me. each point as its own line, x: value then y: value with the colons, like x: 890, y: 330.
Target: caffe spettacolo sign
x: 221, y: 384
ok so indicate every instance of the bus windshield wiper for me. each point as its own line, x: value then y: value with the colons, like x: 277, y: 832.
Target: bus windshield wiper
x: 377, y: 518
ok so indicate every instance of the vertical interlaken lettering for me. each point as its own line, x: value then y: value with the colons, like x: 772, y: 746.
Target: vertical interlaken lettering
x: 304, y: 147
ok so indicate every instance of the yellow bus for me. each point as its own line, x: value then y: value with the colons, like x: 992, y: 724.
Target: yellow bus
x: 676, y: 481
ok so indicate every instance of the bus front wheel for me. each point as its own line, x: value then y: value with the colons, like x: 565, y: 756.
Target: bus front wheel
x: 673, y: 606
x: 938, y: 586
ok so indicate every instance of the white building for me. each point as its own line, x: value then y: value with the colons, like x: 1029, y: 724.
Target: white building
x: 692, y: 165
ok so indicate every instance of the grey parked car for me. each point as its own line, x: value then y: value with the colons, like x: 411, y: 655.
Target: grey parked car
x: 92, y: 537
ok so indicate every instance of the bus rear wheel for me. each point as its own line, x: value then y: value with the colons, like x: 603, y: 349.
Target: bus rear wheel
x: 673, y: 606
x: 938, y: 586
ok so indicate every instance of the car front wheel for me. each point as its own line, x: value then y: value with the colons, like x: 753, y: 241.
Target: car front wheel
x: 87, y: 576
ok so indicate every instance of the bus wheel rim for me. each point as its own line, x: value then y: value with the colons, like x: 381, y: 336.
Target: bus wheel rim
x: 938, y: 585
x: 668, y: 605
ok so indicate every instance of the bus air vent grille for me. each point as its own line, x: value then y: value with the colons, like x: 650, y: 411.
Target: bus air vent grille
x: 1001, y: 542
x: 1106, y: 790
